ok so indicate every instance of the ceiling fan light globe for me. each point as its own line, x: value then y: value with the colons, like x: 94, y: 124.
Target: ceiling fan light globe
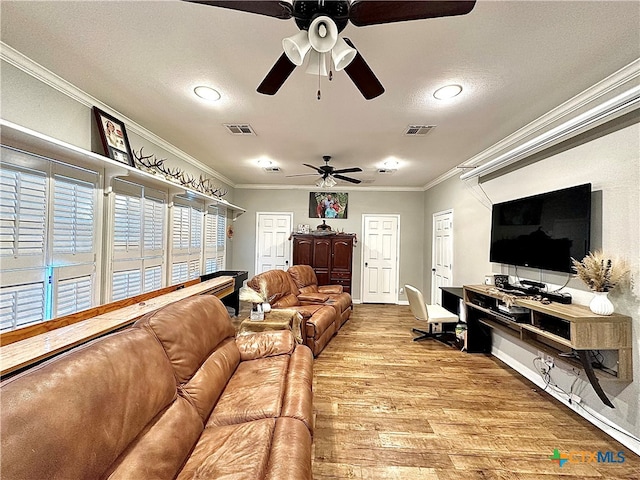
x: 296, y: 47
x: 320, y: 183
x: 317, y: 64
x: 323, y: 34
x: 330, y: 182
x: 342, y: 54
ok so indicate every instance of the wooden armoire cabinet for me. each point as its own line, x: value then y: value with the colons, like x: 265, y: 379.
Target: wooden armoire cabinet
x: 329, y: 255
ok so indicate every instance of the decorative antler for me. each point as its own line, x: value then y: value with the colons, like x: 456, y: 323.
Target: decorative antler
x: 203, y: 185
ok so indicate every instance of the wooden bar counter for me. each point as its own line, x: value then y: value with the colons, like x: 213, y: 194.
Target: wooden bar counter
x: 27, y: 352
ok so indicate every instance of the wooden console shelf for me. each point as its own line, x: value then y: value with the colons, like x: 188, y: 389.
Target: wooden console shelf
x: 26, y: 353
x: 555, y: 328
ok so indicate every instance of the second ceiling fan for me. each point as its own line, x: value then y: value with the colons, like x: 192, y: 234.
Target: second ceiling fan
x: 328, y: 173
x: 320, y: 22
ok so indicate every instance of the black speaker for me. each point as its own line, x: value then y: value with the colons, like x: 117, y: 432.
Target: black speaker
x: 501, y: 281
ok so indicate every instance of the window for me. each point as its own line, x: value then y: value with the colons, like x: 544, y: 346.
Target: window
x: 138, y: 240
x: 215, y: 235
x: 186, y: 235
x: 48, y: 221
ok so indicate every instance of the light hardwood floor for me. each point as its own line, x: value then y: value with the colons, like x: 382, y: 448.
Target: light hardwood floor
x: 390, y: 408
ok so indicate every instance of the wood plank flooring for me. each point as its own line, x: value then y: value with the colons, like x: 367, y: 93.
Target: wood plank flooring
x: 390, y: 408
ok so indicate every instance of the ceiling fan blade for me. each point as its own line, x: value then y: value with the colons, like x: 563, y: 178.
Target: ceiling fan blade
x: 315, y: 168
x: 270, y: 8
x: 373, y: 12
x: 347, y: 179
x: 276, y: 76
x: 362, y: 76
x: 348, y: 170
x: 302, y: 175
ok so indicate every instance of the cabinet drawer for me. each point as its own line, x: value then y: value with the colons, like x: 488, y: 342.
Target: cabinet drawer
x: 338, y: 275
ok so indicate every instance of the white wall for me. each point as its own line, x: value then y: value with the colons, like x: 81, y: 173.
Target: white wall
x: 611, y: 163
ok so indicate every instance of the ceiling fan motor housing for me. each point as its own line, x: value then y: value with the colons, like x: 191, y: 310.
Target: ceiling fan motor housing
x: 305, y: 11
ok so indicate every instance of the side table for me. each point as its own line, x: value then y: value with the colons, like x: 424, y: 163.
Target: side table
x: 275, y: 320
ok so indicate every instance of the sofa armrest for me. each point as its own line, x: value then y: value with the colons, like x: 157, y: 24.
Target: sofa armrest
x: 265, y: 344
x: 330, y: 289
x: 313, y: 297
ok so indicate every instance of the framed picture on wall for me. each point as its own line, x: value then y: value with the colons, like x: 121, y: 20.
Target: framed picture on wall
x: 114, y: 137
x: 328, y: 204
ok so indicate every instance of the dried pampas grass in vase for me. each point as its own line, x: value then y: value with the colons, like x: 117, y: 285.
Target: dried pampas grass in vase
x: 601, y: 273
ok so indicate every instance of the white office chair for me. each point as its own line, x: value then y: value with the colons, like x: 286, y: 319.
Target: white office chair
x: 434, y: 315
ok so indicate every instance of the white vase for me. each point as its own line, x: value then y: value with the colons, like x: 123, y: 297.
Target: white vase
x: 600, y: 303
x: 266, y: 307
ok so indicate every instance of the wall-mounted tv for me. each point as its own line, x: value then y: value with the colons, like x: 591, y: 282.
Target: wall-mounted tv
x: 543, y: 231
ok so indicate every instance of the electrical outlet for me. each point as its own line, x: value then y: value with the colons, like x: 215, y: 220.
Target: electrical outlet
x: 401, y: 290
x: 548, y: 359
x: 573, y: 398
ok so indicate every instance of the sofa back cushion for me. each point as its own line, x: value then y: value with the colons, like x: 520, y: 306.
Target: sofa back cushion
x: 280, y: 288
x: 76, y: 415
x: 198, y: 337
x: 304, y: 277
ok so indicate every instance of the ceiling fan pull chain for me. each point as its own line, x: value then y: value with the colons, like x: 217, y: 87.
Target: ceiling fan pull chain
x: 319, y: 76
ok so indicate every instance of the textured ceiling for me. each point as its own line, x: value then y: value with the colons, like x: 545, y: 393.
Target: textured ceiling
x: 516, y: 61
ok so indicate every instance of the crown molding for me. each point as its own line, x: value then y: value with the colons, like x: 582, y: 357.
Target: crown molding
x: 261, y: 186
x: 46, y: 76
x: 598, y: 94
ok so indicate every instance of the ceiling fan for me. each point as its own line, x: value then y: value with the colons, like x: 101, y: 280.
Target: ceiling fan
x: 329, y: 173
x: 320, y: 22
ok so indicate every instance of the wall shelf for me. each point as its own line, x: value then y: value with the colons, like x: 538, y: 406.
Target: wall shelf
x: 567, y: 331
x: 27, y: 140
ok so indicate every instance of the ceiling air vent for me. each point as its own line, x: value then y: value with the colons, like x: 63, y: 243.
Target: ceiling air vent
x: 418, y: 130
x: 240, y: 129
x: 272, y: 169
x: 386, y: 171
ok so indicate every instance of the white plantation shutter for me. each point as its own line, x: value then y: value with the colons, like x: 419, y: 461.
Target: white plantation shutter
x: 179, y: 272
x: 186, y: 236
x: 181, y: 228
x: 126, y: 283
x: 215, y: 239
x: 74, y: 295
x: 127, y: 225
x: 21, y: 305
x: 73, y: 216
x: 152, y: 278
x: 139, y: 217
x: 47, y: 239
x: 154, y: 215
x: 22, y: 217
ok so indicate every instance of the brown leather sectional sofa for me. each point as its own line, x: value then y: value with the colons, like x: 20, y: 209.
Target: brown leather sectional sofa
x: 323, y: 312
x: 174, y: 396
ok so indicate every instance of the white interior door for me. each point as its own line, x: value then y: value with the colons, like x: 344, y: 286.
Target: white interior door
x: 442, y: 254
x: 380, y: 258
x: 273, y: 248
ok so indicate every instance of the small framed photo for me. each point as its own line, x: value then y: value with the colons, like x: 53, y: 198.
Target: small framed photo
x: 114, y: 137
x: 303, y: 228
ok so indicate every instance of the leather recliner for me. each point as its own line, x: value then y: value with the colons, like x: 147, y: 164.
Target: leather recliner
x: 311, y: 293
x: 320, y: 320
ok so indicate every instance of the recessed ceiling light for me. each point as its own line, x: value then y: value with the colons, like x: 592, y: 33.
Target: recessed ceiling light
x: 390, y: 163
x: 264, y: 162
x: 448, y: 91
x: 207, y: 93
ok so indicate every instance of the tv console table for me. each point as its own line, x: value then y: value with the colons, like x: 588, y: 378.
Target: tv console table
x: 567, y: 331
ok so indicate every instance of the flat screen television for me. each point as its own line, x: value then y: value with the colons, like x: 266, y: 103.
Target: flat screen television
x: 543, y: 231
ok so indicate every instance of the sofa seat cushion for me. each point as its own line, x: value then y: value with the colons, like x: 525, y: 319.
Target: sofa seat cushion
x: 342, y: 301
x: 323, y: 319
x: 255, y: 391
x: 236, y: 451
x: 267, y: 449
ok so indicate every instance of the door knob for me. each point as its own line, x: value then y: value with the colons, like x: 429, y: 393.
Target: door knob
x: 366, y: 264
